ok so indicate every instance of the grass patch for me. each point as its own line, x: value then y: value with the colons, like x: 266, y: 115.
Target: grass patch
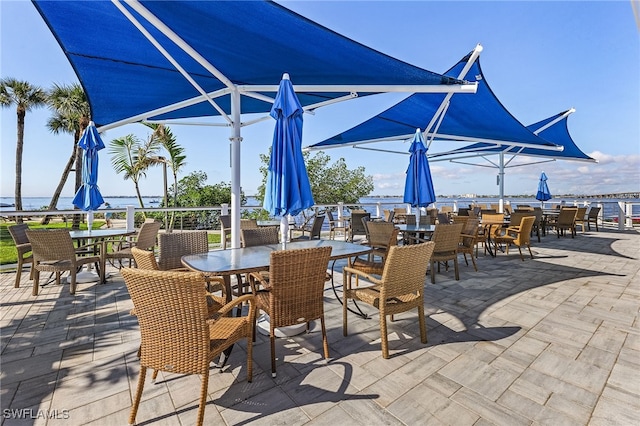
x: 8, y: 253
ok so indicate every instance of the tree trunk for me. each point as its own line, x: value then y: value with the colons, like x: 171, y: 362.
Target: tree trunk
x: 140, y: 198
x: 63, y: 179
x: 19, y: 148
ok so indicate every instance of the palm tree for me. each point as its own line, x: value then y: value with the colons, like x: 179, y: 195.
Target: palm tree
x: 25, y: 97
x: 71, y: 115
x: 175, y: 161
x: 131, y: 157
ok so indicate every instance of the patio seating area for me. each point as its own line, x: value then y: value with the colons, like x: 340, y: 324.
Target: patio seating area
x: 549, y: 340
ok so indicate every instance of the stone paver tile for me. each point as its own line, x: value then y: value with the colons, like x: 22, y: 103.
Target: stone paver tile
x: 625, y: 377
x: 368, y: 412
x: 421, y: 403
x: 28, y: 368
x: 478, y: 376
x: 487, y: 409
x: 114, y: 409
x: 272, y: 407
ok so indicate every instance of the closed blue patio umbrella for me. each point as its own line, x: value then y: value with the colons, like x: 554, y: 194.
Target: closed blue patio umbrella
x: 418, y: 187
x: 88, y: 197
x: 288, y: 191
x: 543, y: 189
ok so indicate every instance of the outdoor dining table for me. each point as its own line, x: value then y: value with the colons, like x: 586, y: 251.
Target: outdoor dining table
x: 230, y: 262
x: 100, y: 235
x: 418, y: 230
x: 267, y: 223
x: 489, y: 228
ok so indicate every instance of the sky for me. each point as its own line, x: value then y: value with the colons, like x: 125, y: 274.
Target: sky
x: 540, y: 58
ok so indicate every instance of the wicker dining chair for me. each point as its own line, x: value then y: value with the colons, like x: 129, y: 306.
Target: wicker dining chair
x: 336, y: 226
x: 146, y: 259
x: 23, y: 246
x: 400, y: 288
x: 357, y: 225
x: 383, y: 240
x: 225, y: 230
x: 592, y: 217
x: 294, y: 293
x: 446, y: 239
x: 260, y: 236
x: 518, y: 235
x: 53, y: 251
x: 145, y: 240
x: 469, y: 240
x: 581, y: 218
x: 566, y: 221
x: 177, y: 334
x: 314, y: 232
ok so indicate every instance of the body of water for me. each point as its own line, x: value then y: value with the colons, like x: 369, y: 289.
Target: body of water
x: 66, y: 203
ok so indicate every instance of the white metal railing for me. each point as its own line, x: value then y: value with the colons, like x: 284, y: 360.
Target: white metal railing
x: 617, y: 214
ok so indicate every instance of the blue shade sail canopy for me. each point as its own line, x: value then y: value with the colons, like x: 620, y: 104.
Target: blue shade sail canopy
x: 418, y: 187
x: 88, y: 197
x: 220, y: 45
x: 288, y: 190
x: 543, y: 193
x: 553, y: 129
x: 475, y: 118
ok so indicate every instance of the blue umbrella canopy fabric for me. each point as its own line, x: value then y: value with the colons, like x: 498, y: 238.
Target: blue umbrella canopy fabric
x: 543, y: 189
x: 88, y: 197
x: 418, y: 187
x: 288, y: 190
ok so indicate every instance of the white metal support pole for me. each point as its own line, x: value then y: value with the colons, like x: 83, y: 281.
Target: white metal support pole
x: 235, y: 169
x: 501, y: 179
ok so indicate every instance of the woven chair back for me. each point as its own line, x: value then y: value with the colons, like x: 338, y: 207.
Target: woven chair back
x: 316, y: 228
x: 19, y: 233
x: 147, y: 235
x: 471, y: 227
x: 357, y: 226
x: 426, y: 220
x: 171, y: 308
x: 410, y: 219
x: 172, y: 246
x: 443, y: 218
x: 144, y: 259
x: 380, y: 233
x: 567, y: 216
x: 51, y: 244
x: 523, y: 237
x: 260, y: 236
x: 248, y: 223
x: 296, y: 280
x: 446, y: 237
x: 516, y: 217
x: 459, y: 219
x: 593, y: 212
x: 405, y: 269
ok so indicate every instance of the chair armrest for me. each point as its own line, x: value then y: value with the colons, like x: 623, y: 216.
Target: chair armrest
x: 235, y: 302
x: 255, y: 279
x: 353, y: 271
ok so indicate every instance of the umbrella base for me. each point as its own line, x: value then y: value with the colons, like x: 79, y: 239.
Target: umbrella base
x: 264, y: 327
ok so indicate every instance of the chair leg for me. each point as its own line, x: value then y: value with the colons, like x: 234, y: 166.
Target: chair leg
x: 203, y: 397
x: 423, y: 323
x: 325, y: 342
x: 455, y: 268
x: 530, y: 252
x: 250, y: 358
x: 384, y: 341
x: 136, y: 399
x: 466, y: 262
x: 433, y: 272
x: 18, y: 273
x: 272, y: 339
x: 36, y: 282
x: 72, y: 277
x: 346, y: 279
x: 520, y: 250
x: 475, y: 267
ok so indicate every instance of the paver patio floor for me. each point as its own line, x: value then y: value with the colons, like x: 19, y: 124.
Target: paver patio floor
x: 549, y: 341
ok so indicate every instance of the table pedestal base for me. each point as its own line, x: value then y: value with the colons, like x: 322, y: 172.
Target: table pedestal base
x: 264, y: 327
